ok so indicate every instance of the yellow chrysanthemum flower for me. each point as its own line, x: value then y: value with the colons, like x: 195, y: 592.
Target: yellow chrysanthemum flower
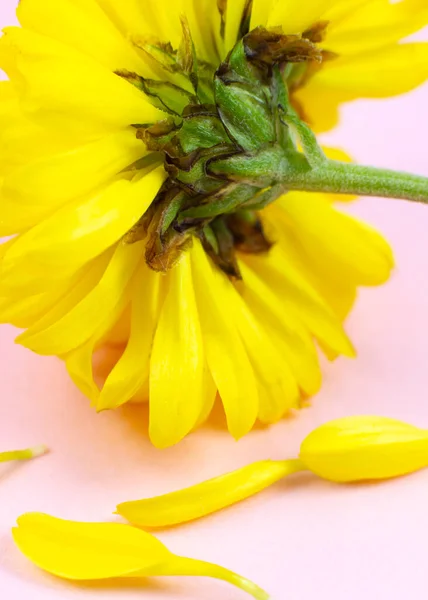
x: 140, y: 142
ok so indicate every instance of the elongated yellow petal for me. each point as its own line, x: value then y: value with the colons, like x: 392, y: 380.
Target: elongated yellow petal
x: 301, y: 301
x: 207, y: 497
x: 367, y: 447
x: 52, y: 180
x: 132, y: 369
x: 334, y: 287
x: 23, y: 454
x: 374, y: 24
x: 278, y: 389
x: 226, y: 355
x: 260, y: 12
x: 62, y: 88
x: 344, y: 450
x: 130, y: 16
x: 79, y: 365
x: 286, y: 332
x: 86, y: 228
x: 85, y: 551
x: 177, y: 356
x: 21, y: 139
x: 295, y: 16
x: 347, y: 78
x: 23, y: 311
x: 206, y: 31
x: 335, y: 238
x: 84, y: 26
x: 69, y: 325
x: 234, y: 14
x: 336, y: 12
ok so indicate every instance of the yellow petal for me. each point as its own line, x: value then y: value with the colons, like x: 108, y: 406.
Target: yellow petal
x: 73, y: 321
x: 285, y: 331
x: 378, y: 74
x: 234, y: 13
x: 296, y: 16
x: 131, y: 17
x: 91, y: 551
x: 23, y: 311
x: 38, y: 188
x: 234, y: 377
x: 300, y: 299
x: 83, y: 26
x: 83, y: 229
x: 374, y: 24
x: 86, y: 550
x: 22, y: 140
x: 337, y: 290
x: 75, y: 172
x: 278, y: 389
x: 333, y: 238
x: 177, y: 356
x: 370, y: 75
x: 132, y: 369
x: 23, y: 454
x: 79, y: 365
x: 205, y: 26
x: 338, y: 11
x: 260, y: 12
x: 367, y: 447
x: 63, y: 88
x: 205, y: 498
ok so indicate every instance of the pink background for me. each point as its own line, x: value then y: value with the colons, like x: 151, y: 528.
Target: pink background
x: 302, y: 539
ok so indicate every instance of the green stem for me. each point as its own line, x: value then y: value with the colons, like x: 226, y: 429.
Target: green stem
x: 344, y: 178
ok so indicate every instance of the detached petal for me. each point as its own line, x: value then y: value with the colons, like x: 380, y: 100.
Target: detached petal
x: 23, y: 454
x: 210, y: 496
x: 85, y: 551
x: 359, y: 448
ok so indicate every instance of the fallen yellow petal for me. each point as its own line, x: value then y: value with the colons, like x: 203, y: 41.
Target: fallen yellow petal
x: 84, y: 551
x: 364, y: 448
x: 344, y: 450
x: 23, y: 454
x: 207, y: 497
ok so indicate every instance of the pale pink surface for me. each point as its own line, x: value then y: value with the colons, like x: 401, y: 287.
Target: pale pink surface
x: 302, y: 539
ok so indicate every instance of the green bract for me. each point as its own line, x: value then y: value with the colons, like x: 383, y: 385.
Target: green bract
x: 233, y: 143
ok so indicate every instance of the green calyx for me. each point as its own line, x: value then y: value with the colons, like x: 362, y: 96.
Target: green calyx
x: 233, y: 143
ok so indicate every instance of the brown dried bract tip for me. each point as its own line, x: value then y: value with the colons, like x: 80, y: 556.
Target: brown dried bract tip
x: 163, y: 253
x: 186, y: 51
x: 222, y: 8
x: 155, y: 136
x: 271, y: 47
x: 244, y: 26
x: 317, y: 32
x: 223, y: 255
x: 248, y: 235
